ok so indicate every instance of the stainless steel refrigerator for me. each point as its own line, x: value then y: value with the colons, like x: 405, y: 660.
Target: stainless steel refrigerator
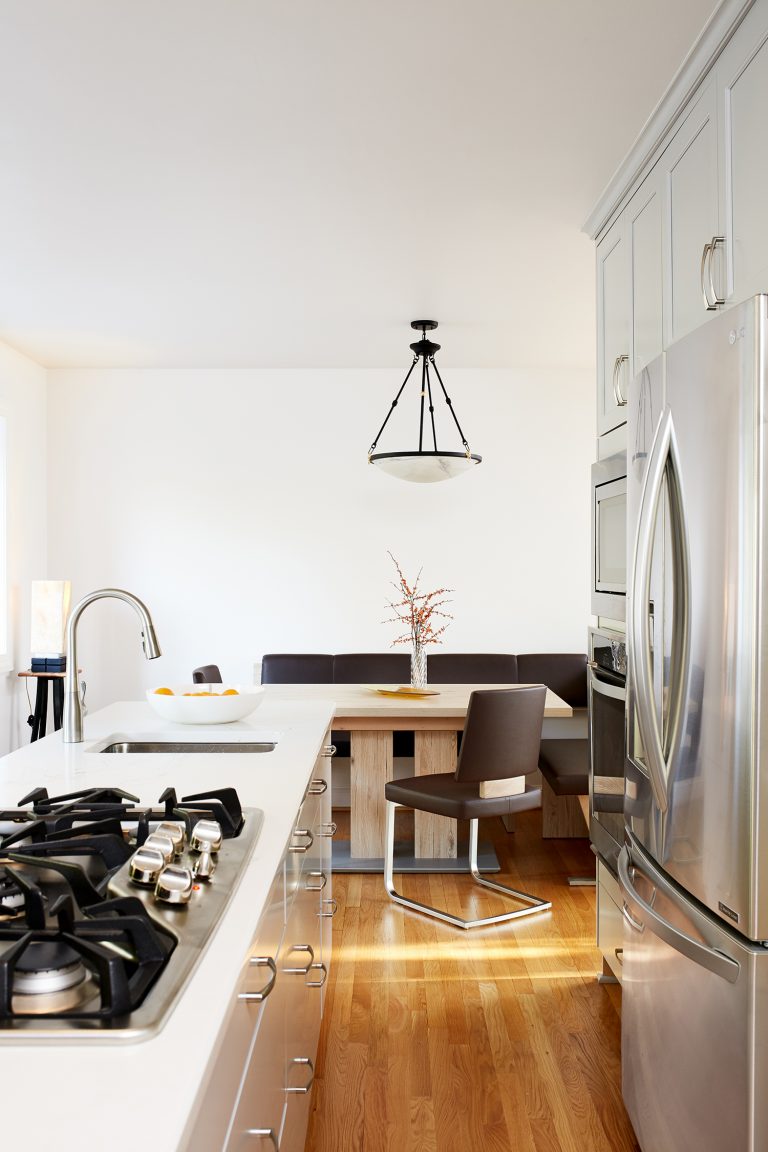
x: 694, y: 870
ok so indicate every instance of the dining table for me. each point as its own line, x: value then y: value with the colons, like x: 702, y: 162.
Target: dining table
x: 370, y: 713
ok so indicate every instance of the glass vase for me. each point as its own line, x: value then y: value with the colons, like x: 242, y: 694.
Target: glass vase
x: 419, y: 666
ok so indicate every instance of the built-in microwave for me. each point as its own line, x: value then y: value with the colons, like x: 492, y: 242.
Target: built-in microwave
x: 609, y: 537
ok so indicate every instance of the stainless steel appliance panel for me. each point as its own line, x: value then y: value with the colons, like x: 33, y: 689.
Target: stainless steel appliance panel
x: 606, y: 687
x: 695, y: 621
x: 694, y: 1002
x: 609, y: 536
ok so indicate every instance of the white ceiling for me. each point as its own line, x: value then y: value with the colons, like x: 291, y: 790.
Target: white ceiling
x: 269, y: 183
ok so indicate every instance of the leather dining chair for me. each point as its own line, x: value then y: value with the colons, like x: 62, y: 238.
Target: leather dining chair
x: 500, y: 744
x: 207, y: 674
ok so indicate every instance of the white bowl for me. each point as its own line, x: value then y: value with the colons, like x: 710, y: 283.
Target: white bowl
x: 214, y: 709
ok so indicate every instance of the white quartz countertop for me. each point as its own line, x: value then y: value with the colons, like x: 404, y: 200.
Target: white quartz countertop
x: 104, y: 1093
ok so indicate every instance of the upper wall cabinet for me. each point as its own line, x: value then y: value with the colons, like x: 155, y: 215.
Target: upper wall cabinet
x: 643, y: 224
x: 613, y: 310
x: 629, y: 301
x: 742, y: 89
x: 692, y: 241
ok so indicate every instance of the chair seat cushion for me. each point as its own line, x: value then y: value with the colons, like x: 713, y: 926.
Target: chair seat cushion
x: 565, y: 766
x: 444, y: 795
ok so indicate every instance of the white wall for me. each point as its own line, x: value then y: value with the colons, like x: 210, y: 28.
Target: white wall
x: 239, y: 505
x: 23, y: 402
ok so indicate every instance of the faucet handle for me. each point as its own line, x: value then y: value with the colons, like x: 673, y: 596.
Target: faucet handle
x: 83, y: 688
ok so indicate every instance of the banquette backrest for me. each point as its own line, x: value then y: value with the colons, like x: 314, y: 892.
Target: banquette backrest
x: 296, y: 668
x: 472, y: 668
x: 372, y: 668
x: 565, y: 673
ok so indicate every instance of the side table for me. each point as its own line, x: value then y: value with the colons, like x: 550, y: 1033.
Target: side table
x: 41, y: 700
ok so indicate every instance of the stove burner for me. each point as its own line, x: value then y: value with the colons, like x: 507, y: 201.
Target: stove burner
x: 47, y: 966
x: 11, y: 897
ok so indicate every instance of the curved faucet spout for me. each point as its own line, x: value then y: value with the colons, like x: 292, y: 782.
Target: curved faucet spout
x: 72, y: 721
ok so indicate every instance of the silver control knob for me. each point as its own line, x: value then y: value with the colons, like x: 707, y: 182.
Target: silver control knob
x: 145, y: 866
x: 205, y: 865
x: 206, y: 834
x: 176, y: 831
x: 163, y: 844
x: 174, y: 885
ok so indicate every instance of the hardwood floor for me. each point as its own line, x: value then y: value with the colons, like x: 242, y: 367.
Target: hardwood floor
x: 495, y: 1040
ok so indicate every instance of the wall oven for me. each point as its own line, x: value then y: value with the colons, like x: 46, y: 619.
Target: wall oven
x: 609, y: 537
x: 607, y: 672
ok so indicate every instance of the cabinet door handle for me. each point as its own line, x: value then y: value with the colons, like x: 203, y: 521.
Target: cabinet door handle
x: 706, y: 253
x: 264, y: 1134
x: 714, y: 243
x: 620, y: 400
x: 619, y: 954
x: 301, y: 971
x: 321, y: 968
x: 326, y: 829
x: 257, y: 997
x: 329, y: 750
x: 321, y: 879
x: 317, y: 787
x: 302, y: 847
x: 333, y: 911
x: 303, y: 1062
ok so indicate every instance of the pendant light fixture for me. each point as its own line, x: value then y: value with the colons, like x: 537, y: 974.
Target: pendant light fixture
x: 427, y: 464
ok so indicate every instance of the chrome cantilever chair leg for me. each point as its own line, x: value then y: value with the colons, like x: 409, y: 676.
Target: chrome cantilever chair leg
x: 537, y: 905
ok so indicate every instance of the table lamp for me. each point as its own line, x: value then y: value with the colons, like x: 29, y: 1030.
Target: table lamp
x: 49, y: 612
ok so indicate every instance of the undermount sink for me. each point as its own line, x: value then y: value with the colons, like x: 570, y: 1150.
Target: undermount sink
x: 188, y: 746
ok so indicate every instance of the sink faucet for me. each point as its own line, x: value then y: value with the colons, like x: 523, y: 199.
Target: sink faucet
x: 73, y: 709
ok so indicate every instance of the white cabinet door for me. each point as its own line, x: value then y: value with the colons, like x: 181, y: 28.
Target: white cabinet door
x: 689, y: 168
x: 613, y: 328
x: 742, y: 87
x: 643, y: 229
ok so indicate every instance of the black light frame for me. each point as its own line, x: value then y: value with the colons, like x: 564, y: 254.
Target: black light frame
x: 425, y: 351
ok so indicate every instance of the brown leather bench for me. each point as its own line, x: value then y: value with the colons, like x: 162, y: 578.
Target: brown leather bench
x: 564, y: 764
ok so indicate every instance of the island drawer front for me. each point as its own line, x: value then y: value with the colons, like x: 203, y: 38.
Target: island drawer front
x: 224, y: 1075
x: 305, y: 845
x: 610, y: 930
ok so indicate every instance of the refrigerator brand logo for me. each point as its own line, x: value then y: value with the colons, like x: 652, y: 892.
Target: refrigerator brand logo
x: 729, y: 912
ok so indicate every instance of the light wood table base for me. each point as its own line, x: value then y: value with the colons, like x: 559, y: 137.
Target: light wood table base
x: 371, y: 768
x: 561, y: 816
x: 435, y: 835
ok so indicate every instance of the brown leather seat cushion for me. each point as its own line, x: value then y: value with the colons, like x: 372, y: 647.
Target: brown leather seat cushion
x: 444, y: 795
x: 565, y: 766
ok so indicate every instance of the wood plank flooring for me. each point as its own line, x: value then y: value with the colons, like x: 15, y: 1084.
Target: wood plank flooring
x: 495, y: 1040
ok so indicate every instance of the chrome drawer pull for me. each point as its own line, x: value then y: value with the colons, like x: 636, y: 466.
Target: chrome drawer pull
x: 305, y: 1062
x: 302, y: 847
x: 333, y: 911
x: 321, y: 878
x: 329, y: 750
x: 317, y: 786
x: 305, y: 970
x: 265, y: 1134
x: 619, y: 954
x: 321, y: 968
x: 326, y: 829
x: 257, y: 997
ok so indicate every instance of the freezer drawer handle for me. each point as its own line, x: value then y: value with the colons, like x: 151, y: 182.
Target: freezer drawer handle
x: 701, y: 954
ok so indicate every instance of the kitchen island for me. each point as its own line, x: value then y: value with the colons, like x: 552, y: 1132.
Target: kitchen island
x: 100, y: 1091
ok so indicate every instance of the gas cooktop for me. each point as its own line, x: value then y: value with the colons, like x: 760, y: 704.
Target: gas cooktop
x: 106, y: 906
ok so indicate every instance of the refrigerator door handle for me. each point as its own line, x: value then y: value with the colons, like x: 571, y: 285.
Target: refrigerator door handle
x: 663, y: 463
x: 641, y: 912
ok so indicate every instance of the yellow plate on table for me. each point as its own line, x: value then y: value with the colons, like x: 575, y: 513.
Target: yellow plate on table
x: 406, y: 690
